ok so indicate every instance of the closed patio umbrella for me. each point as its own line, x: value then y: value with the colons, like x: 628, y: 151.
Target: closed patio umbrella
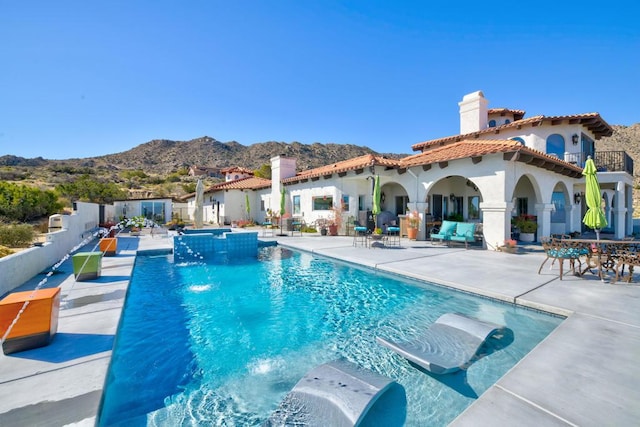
x: 283, y: 205
x: 375, y: 209
x: 197, y: 213
x: 594, y: 217
x: 247, y: 205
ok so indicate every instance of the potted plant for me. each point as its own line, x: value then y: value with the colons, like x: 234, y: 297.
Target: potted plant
x: 510, y: 246
x: 377, y: 233
x: 136, y: 223
x: 413, y: 224
x: 527, y: 226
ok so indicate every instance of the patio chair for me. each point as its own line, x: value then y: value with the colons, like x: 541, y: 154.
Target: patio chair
x: 627, y: 258
x: 465, y: 232
x: 556, y: 249
x: 340, y: 393
x: 446, y: 231
x: 359, y: 234
x: 450, y: 344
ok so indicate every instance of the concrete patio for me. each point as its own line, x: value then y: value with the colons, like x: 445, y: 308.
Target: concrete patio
x: 584, y: 373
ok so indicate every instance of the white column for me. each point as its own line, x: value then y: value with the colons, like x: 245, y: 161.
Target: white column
x: 496, y: 223
x: 543, y: 212
x: 620, y: 212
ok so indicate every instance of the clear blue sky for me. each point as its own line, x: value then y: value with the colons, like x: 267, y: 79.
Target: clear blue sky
x: 85, y: 78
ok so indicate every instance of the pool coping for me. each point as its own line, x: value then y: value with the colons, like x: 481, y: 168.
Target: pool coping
x: 540, y: 389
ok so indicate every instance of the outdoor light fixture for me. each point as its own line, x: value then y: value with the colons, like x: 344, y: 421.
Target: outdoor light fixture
x: 452, y: 197
x: 382, y: 197
x: 576, y: 198
x: 574, y: 139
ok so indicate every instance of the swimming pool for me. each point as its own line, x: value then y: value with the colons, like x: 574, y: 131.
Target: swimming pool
x: 206, y: 343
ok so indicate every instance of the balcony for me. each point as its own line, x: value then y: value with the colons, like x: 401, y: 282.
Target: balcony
x: 606, y: 161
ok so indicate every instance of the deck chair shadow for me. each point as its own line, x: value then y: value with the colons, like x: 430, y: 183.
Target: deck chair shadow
x: 340, y: 393
x: 451, y: 343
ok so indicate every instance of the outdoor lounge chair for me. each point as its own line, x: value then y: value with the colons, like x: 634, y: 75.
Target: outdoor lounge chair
x: 465, y: 232
x: 450, y: 344
x: 446, y: 231
x: 340, y: 393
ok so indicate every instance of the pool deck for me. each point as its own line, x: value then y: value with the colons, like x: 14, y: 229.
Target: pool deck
x: 586, y: 372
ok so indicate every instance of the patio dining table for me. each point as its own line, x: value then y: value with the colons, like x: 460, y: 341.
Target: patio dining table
x: 608, y: 256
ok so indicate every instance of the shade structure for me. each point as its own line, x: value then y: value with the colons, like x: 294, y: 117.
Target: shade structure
x: 247, y: 205
x: 197, y: 213
x: 594, y: 217
x: 375, y: 209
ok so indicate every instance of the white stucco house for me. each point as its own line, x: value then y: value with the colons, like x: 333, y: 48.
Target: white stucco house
x: 501, y: 165
x: 226, y: 202
x: 159, y: 210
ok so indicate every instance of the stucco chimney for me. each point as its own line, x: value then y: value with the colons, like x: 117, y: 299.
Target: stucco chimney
x: 281, y: 168
x: 473, y: 112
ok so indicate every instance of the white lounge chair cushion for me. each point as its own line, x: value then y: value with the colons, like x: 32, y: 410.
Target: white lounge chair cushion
x: 341, y: 394
x: 450, y: 344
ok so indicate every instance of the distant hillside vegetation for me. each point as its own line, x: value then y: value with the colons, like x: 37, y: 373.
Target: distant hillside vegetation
x: 165, y: 156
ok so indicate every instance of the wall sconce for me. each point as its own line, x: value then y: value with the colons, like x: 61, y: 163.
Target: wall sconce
x: 574, y: 139
x: 452, y: 197
x: 576, y: 198
x: 382, y: 197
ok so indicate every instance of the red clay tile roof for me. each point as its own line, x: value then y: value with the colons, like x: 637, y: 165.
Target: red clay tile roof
x: 517, y: 114
x: 248, y: 183
x: 481, y: 147
x: 238, y: 169
x: 592, y: 121
x: 360, y: 162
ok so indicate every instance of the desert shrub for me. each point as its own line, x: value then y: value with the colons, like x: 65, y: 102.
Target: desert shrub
x: 4, y: 251
x: 24, y: 203
x: 308, y: 229
x: 89, y: 189
x: 16, y: 235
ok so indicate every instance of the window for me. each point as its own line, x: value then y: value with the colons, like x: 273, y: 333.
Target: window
x: 153, y: 211
x: 296, y: 205
x: 473, y: 207
x: 323, y: 203
x: 402, y: 203
x: 555, y: 145
x: 558, y: 213
x: 261, y: 205
x: 436, y: 206
x: 361, y: 199
x: 522, y: 206
x: 506, y: 122
x: 492, y: 123
x: 456, y: 206
x: 345, y: 203
x: 517, y: 138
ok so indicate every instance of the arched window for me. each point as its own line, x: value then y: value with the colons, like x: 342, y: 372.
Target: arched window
x: 492, y: 123
x: 517, y: 138
x: 506, y: 122
x: 555, y: 145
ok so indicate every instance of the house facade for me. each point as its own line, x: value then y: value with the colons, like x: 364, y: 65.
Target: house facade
x: 500, y: 166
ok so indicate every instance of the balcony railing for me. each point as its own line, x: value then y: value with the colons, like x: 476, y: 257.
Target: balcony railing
x: 606, y: 161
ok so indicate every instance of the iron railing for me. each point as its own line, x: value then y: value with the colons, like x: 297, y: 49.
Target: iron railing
x: 606, y: 161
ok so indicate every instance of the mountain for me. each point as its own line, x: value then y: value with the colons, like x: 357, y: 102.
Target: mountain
x: 164, y: 156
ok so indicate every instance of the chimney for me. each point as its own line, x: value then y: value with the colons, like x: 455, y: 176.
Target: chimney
x: 473, y: 112
x: 281, y: 168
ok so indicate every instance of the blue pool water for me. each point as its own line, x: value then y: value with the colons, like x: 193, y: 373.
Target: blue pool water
x: 208, y: 343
